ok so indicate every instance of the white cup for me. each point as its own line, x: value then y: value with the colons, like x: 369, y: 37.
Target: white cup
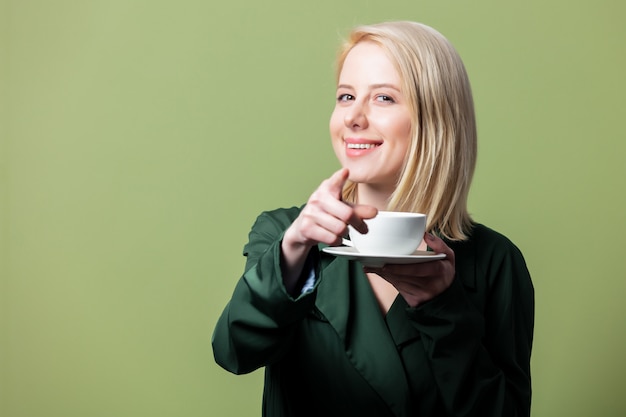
x: 390, y: 233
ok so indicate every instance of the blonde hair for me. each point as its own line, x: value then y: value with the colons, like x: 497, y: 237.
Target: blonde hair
x: 440, y: 163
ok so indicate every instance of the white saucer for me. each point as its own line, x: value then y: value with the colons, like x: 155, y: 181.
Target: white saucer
x: 372, y: 260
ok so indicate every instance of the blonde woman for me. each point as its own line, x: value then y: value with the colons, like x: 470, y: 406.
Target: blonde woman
x: 450, y: 337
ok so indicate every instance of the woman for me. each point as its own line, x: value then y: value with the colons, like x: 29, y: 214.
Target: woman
x: 450, y: 337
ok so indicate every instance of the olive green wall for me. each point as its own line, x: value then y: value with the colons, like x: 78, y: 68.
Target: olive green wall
x: 140, y: 139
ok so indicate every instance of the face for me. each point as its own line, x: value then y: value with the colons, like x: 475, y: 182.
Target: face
x: 371, y: 124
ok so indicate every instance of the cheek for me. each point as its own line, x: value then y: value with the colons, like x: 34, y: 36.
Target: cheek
x: 401, y: 128
x: 335, y: 124
x: 335, y: 134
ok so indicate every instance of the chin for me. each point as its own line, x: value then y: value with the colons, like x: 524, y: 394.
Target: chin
x: 358, y: 172
x: 358, y: 177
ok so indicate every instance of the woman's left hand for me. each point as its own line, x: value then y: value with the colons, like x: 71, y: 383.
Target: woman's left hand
x: 418, y: 283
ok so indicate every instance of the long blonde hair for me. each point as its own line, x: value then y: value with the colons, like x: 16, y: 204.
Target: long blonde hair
x: 440, y: 163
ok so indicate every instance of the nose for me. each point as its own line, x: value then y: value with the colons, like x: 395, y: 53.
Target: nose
x: 356, y: 116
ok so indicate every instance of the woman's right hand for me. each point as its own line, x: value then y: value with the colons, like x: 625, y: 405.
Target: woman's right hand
x: 324, y: 219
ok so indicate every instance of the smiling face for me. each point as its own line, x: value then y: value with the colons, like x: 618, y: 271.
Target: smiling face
x: 371, y: 124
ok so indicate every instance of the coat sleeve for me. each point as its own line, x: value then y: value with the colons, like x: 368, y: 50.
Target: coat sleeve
x: 479, y: 346
x: 257, y: 325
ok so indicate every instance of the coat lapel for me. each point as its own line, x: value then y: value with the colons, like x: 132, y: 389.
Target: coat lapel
x: 346, y: 300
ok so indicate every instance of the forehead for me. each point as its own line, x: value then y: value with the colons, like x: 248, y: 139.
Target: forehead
x: 369, y: 61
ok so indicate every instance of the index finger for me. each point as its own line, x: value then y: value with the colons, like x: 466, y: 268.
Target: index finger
x: 337, y: 181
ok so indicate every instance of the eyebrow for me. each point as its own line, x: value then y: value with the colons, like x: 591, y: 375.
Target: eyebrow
x: 372, y: 87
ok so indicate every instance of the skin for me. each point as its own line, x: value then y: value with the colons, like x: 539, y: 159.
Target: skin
x: 371, y: 109
x: 370, y: 130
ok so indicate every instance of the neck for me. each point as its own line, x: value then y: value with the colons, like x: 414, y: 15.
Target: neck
x: 374, y: 195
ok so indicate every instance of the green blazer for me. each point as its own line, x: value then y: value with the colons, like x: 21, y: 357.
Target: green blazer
x: 330, y: 351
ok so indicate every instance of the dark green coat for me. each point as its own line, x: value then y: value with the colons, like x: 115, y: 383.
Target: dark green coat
x: 331, y: 352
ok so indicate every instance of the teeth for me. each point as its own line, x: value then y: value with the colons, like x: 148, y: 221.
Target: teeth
x: 362, y: 145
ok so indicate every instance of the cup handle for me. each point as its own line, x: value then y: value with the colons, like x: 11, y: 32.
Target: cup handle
x: 346, y: 242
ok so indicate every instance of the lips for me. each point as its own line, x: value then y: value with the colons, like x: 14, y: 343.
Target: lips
x: 360, y: 146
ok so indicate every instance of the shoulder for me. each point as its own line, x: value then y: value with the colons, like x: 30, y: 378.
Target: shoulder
x: 279, y: 218
x: 269, y: 227
x: 493, y: 252
x: 487, y: 248
x: 493, y: 269
x: 488, y: 238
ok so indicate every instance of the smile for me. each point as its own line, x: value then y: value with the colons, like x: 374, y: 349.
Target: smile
x: 362, y: 145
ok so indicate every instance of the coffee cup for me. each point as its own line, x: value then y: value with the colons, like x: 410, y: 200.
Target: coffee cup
x: 390, y: 233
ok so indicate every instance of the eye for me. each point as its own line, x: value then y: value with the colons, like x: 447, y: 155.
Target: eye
x: 345, y: 97
x: 385, y: 99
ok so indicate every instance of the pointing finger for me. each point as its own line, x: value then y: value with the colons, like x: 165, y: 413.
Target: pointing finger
x: 337, y: 181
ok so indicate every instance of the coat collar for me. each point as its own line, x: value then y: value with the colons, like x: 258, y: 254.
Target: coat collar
x: 347, y: 301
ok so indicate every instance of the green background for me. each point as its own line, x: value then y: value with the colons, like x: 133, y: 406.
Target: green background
x: 140, y: 139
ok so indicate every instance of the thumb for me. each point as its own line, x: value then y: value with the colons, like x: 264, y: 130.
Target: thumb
x: 438, y: 245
